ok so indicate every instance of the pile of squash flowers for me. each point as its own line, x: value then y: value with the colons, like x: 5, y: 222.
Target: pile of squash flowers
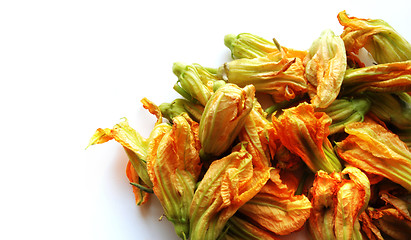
x: 332, y: 152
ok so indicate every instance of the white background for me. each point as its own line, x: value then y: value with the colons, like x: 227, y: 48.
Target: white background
x: 69, y: 67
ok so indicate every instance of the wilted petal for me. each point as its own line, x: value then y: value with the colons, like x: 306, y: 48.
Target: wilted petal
x: 140, y: 195
x: 369, y: 228
x: 136, y: 148
x: 260, y: 136
x: 401, y: 205
x: 245, y: 230
x: 153, y: 109
x: 125, y: 135
x: 276, y: 208
x: 391, y: 222
x: 227, y: 185
x: 362, y: 183
x: 304, y: 132
x: 326, y: 63
x: 101, y: 135
x: 351, y: 199
x: 337, y: 202
x: 373, y: 149
x: 321, y: 221
x: 133, y: 143
x: 174, y: 166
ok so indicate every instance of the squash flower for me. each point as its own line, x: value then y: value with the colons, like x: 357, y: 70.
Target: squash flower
x: 384, y: 78
x: 375, y: 150
x: 304, y: 132
x: 193, y: 82
x: 179, y: 106
x: 136, y: 148
x: 274, y: 74
x: 247, y: 45
x: 325, y: 66
x: 223, y: 117
x: 173, y: 164
x: 276, y: 209
x: 344, y: 111
x: 375, y: 35
x: 337, y: 202
x: 227, y: 185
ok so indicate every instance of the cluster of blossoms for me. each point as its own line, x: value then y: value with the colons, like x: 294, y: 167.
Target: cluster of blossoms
x: 331, y: 153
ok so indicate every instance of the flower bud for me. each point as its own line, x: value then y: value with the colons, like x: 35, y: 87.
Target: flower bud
x: 325, y: 63
x: 193, y: 81
x: 223, y: 117
x: 246, y: 45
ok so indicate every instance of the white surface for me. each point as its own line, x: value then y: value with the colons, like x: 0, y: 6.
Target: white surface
x: 69, y: 67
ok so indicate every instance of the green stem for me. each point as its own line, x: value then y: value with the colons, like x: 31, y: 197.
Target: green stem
x: 300, y: 187
x: 141, y: 187
x: 284, y: 104
x: 182, y: 92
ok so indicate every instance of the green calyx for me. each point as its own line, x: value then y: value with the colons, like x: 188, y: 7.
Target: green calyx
x: 344, y: 111
x: 180, y: 106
